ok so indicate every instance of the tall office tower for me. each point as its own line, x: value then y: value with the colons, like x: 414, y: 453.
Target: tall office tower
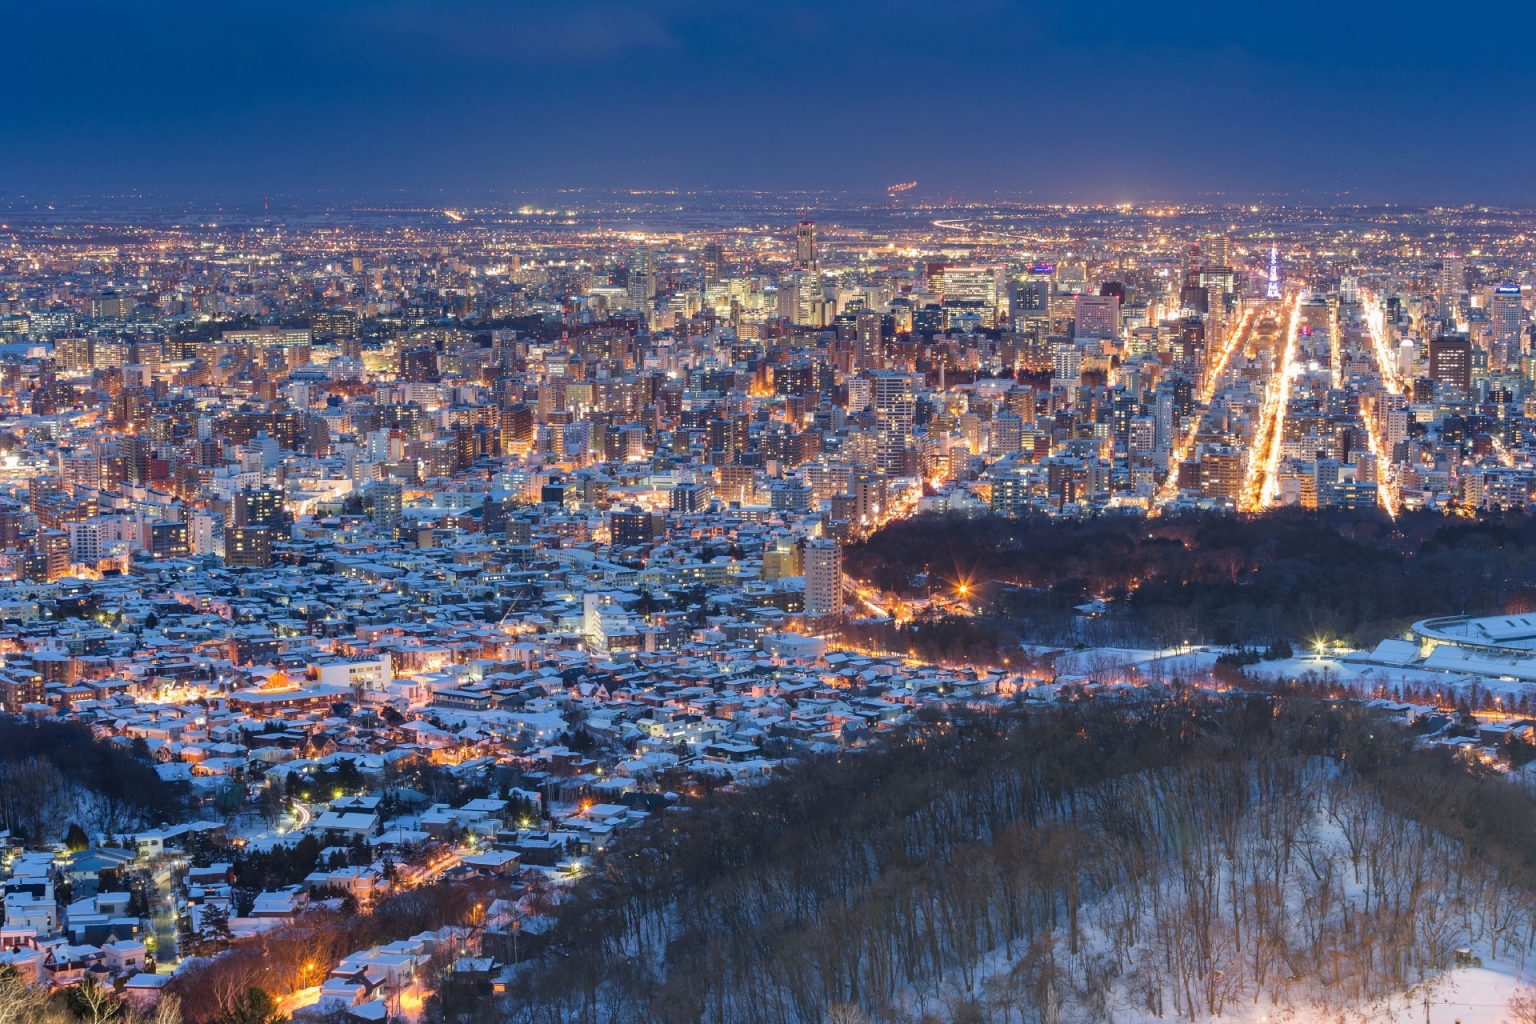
x: 868, y: 351
x: 1219, y: 284
x: 714, y: 263
x: 805, y: 246
x: 1453, y: 279
x: 1216, y: 275
x: 1215, y: 252
x: 642, y: 277
x: 806, y: 299
x: 1193, y: 297
x: 1450, y: 360
x: 974, y: 287
x: 1028, y: 299
x: 1504, y: 312
x: 823, y: 577
x: 1096, y: 316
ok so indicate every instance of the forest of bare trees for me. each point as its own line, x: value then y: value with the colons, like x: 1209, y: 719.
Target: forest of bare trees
x: 1085, y: 865
x: 54, y: 774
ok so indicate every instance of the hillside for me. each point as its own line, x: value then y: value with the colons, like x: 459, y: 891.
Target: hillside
x: 1189, y: 861
x: 54, y: 774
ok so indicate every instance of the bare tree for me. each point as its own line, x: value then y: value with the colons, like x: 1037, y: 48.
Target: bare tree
x: 1522, y: 1006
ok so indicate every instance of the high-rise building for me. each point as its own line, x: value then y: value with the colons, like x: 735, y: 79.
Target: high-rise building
x: 516, y: 423
x: 1450, y: 360
x: 1096, y: 316
x: 868, y: 353
x: 1066, y: 365
x: 823, y: 577
x: 1215, y: 252
x: 1221, y: 472
x: 248, y: 546
x: 111, y: 305
x: 1029, y: 300
x: 418, y: 365
x: 382, y: 502
x: 802, y: 299
x: 713, y: 263
x: 74, y: 353
x: 631, y: 528
x: 805, y: 246
x: 261, y: 506
x: 975, y: 288
x: 782, y: 557
x: 894, y: 400
x: 54, y: 545
x: 642, y: 277
x: 791, y: 496
x: 1010, y: 494
x: 689, y: 498
x: 1504, y: 312
x: 168, y: 539
x: 1453, y: 279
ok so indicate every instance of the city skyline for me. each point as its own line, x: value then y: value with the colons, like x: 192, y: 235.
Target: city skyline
x: 376, y: 578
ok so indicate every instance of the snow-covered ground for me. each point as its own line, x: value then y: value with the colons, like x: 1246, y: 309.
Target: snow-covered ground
x: 1462, y: 995
x: 1346, y: 669
x: 1471, y: 995
x: 1343, y: 668
x: 1348, y: 868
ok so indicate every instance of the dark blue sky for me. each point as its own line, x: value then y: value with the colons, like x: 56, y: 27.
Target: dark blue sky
x: 1107, y: 100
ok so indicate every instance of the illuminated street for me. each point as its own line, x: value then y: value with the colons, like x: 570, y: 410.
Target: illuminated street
x: 1262, y: 485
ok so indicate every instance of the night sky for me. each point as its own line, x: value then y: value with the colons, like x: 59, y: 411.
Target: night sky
x: 1109, y: 100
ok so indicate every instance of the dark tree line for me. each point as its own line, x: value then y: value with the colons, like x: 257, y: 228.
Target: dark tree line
x: 1289, y: 575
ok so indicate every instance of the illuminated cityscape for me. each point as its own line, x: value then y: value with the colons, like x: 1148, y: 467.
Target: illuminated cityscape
x: 799, y: 513
x: 562, y: 497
